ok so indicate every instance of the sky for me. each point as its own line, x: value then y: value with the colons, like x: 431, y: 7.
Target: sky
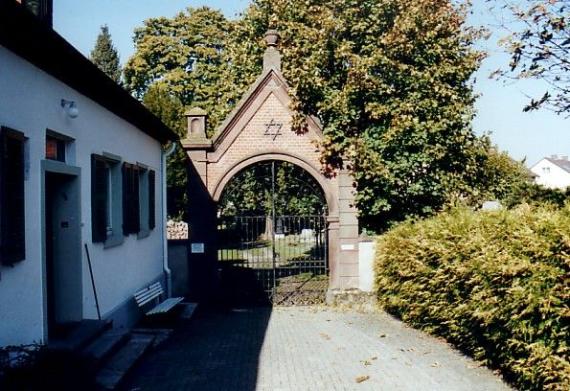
x: 529, y: 136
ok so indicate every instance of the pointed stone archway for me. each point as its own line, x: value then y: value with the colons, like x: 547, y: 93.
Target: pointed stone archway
x: 259, y: 129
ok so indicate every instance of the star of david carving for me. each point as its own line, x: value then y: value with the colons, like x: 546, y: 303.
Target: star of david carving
x: 273, y: 129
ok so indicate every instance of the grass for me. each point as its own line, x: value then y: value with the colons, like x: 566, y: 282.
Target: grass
x: 288, y: 249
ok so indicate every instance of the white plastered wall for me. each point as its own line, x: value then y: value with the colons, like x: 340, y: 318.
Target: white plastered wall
x: 30, y: 103
x: 550, y: 175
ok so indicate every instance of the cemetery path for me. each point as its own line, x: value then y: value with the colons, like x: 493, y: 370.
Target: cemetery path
x: 305, y: 348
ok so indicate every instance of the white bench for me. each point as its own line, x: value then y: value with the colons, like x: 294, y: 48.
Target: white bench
x: 154, y: 292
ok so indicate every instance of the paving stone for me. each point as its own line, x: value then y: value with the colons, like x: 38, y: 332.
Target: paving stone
x: 298, y: 349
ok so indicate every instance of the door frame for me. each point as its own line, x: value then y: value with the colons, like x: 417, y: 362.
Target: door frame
x: 55, y: 167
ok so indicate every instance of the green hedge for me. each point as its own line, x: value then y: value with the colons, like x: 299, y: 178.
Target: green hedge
x: 496, y: 284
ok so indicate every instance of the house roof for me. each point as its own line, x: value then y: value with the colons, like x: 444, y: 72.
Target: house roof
x: 24, y: 35
x: 562, y: 163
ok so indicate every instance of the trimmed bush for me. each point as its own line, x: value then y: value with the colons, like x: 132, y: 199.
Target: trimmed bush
x: 496, y: 284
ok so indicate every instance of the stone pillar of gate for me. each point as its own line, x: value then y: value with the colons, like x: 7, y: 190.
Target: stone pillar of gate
x: 202, y: 210
x: 346, y: 276
x: 259, y: 129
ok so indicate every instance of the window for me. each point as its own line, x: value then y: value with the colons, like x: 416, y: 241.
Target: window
x: 546, y: 170
x: 139, y: 198
x: 55, y: 149
x: 151, y: 199
x: 106, y: 203
x: 147, y: 197
x: 131, y: 203
x: 12, y: 197
x: 144, y: 230
x: 59, y: 147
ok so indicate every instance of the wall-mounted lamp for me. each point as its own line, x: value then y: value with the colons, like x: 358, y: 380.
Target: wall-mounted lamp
x: 70, y: 108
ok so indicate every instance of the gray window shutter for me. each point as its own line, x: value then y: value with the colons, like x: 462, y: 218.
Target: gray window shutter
x: 151, y: 199
x: 12, y: 197
x: 99, y: 190
x: 135, y: 212
x: 131, y: 200
x: 126, y: 171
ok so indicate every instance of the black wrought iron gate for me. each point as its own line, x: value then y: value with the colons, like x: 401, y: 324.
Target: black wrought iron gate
x: 281, y: 259
x: 275, y: 257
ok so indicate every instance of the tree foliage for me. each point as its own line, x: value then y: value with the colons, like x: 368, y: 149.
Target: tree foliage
x: 170, y: 110
x: 179, y: 63
x: 389, y: 80
x: 534, y: 194
x: 539, y: 45
x: 105, y: 55
x: 184, y: 55
x: 499, y: 177
x: 256, y: 191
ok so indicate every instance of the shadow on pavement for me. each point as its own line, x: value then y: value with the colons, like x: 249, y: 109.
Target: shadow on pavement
x: 218, y: 349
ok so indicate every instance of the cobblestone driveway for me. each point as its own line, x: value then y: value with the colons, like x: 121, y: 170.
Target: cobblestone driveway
x: 305, y: 349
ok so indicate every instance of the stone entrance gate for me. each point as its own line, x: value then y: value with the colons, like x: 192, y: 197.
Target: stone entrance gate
x: 258, y: 130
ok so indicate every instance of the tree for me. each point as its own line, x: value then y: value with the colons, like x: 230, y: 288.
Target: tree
x: 539, y: 45
x: 534, y: 194
x: 258, y: 191
x: 159, y: 101
x: 183, y: 62
x: 390, y: 81
x: 499, y: 175
x: 251, y: 191
x: 105, y: 55
x: 185, y: 55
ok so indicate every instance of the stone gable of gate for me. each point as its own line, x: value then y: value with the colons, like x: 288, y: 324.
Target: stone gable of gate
x: 262, y: 127
x: 259, y: 129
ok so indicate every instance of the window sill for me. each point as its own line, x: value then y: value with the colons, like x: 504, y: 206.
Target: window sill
x: 144, y: 233
x: 113, y: 241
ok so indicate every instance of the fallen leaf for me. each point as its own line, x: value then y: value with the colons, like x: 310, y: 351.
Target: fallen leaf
x: 435, y: 365
x: 365, y: 362
x: 374, y: 358
x: 361, y: 379
x: 325, y: 336
x: 383, y: 335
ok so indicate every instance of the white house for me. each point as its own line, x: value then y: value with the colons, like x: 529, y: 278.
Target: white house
x: 82, y: 169
x: 553, y: 172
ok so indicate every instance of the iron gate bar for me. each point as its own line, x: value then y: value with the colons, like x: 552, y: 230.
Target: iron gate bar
x: 273, y: 222
x: 297, y: 247
x: 250, y: 243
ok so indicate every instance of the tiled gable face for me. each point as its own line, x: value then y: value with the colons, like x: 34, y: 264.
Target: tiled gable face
x: 267, y: 131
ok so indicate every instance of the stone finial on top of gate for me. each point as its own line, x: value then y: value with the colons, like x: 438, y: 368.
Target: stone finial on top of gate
x: 272, y: 56
x: 197, y: 121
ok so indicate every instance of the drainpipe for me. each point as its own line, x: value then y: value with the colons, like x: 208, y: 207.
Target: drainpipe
x: 167, y: 270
